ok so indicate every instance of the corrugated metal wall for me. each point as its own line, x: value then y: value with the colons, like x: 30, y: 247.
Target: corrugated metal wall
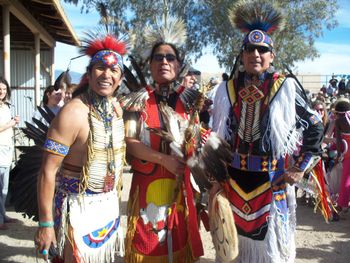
x: 22, y: 81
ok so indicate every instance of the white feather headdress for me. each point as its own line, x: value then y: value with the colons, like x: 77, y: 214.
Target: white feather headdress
x: 169, y: 30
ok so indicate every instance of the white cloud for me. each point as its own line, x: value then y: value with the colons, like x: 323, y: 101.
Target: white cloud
x: 335, y: 58
x: 342, y: 14
x: 208, y: 63
x: 63, y: 54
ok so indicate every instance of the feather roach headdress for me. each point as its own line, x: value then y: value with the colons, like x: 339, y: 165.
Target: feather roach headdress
x: 170, y: 31
x: 259, y: 19
x: 105, y: 48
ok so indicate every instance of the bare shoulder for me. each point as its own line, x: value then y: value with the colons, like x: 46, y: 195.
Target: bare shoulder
x: 70, y: 121
x: 75, y: 108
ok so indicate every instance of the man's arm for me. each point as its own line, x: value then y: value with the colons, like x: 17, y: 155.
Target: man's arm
x: 141, y: 151
x: 64, y: 130
x: 312, y: 137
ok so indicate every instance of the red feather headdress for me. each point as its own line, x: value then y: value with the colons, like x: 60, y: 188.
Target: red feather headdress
x: 104, y: 48
x: 108, y: 42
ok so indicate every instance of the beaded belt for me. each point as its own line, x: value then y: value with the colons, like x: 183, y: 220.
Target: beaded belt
x: 258, y: 163
x: 68, y: 179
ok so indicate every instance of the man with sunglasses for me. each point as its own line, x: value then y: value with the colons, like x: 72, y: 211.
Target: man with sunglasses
x: 263, y: 115
x: 162, y: 224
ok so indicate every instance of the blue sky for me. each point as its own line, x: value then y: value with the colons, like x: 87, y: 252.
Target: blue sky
x: 334, y: 46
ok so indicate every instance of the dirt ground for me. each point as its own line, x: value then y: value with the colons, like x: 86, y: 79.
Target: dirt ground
x: 316, y: 240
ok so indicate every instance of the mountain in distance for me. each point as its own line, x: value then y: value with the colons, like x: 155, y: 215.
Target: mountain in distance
x: 76, y: 76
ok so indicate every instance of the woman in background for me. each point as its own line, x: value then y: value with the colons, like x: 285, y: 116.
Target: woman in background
x: 53, y: 99
x: 6, y: 148
x: 342, y: 127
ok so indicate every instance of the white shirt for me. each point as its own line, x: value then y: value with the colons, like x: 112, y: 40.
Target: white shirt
x: 6, y: 136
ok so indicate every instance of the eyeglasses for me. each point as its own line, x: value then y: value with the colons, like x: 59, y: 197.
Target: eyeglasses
x: 160, y: 57
x: 260, y: 49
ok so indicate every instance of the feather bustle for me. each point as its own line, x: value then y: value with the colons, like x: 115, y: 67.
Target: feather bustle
x: 23, y: 176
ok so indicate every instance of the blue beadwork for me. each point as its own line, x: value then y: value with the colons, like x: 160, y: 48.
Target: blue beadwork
x: 258, y: 37
x: 306, y: 161
x: 55, y: 147
x: 108, y: 58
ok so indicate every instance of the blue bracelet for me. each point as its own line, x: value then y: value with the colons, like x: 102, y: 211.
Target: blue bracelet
x: 46, y: 224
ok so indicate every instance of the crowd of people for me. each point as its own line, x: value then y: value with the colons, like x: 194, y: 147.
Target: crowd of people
x: 244, y: 147
x: 332, y: 104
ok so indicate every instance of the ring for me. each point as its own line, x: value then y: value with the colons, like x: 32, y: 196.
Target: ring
x: 44, y: 252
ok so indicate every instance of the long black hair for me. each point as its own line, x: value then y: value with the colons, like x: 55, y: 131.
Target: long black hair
x: 47, y: 91
x: 177, y: 52
x: 8, y: 89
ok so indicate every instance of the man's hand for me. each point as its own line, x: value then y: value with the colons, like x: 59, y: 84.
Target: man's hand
x: 44, y: 238
x: 173, y: 164
x: 293, y: 175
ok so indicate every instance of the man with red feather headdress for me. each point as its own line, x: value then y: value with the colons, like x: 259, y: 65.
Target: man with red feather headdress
x: 83, y: 157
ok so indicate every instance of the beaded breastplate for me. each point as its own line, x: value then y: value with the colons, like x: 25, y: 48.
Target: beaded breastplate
x: 251, y: 95
x: 106, y: 149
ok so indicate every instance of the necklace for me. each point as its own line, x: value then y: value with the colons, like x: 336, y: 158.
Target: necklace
x: 104, y: 108
x: 255, y: 80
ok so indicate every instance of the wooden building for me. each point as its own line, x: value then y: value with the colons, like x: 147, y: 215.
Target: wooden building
x: 30, y: 30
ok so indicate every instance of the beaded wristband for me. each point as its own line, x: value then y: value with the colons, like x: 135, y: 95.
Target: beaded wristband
x: 46, y: 224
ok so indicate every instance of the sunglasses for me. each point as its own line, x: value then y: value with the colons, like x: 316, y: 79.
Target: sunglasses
x: 260, y: 49
x: 160, y: 57
x: 320, y: 109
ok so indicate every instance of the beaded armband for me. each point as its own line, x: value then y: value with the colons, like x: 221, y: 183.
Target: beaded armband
x: 55, y: 147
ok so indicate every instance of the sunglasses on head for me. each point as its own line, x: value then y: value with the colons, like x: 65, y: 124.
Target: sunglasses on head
x: 160, y: 57
x: 260, y: 49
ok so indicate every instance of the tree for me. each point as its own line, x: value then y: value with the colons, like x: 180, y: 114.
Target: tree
x: 208, y: 25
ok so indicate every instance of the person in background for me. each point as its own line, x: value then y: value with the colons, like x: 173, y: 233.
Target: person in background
x: 341, y: 87
x: 6, y: 148
x: 321, y: 109
x: 214, y: 84
x: 224, y: 76
x: 69, y: 92
x: 348, y: 86
x: 53, y: 99
x: 192, y: 78
x: 192, y: 81
x: 332, y: 87
x: 342, y: 131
